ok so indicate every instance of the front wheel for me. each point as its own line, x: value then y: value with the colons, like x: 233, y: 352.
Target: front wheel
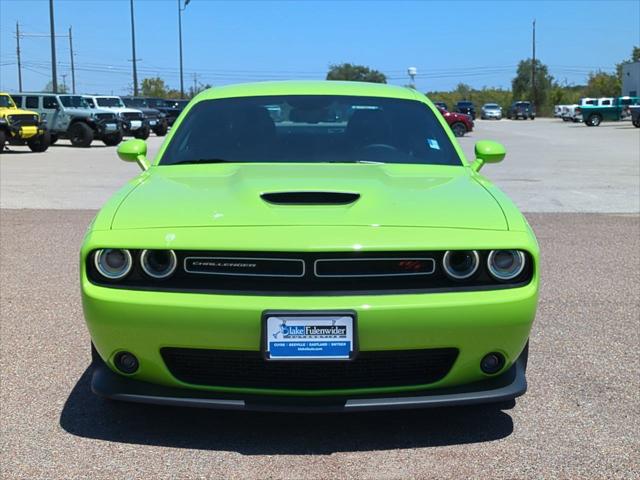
x: 161, y: 129
x: 459, y: 129
x: 142, y: 133
x: 80, y: 135
x: 636, y: 122
x: 594, y: 120
x: 40, y: 143
x: 112, y: 139
x: 3, y: 140
x: 54, y: 139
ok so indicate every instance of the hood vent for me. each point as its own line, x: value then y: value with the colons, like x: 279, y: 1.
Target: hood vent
x: 310, y: 198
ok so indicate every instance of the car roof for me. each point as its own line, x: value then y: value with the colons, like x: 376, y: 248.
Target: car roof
x: 327, y: 87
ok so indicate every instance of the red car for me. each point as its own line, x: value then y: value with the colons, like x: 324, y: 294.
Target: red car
x: 460, y: 123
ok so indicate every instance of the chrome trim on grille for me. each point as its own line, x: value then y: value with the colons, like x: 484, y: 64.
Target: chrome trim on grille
x: 246, y: 259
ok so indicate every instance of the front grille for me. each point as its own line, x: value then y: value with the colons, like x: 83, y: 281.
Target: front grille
x: 23, y: 119
x: 248, y: 369
x: 132, y: 116
x: 286, y: 273
x: 105, y: 116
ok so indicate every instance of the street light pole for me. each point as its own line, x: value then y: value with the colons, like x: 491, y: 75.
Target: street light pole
x: 73, y: 70
x: 133, y: 49
x: 180, y: 10
x: 54, y: 76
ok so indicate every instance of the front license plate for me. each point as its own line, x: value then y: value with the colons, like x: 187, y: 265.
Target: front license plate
x: 110, y: 127
x: 152, y: 123
x: 309, y: 336
x: 136, y: 124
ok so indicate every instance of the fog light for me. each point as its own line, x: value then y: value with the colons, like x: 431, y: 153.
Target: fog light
x: 126, y: 362
x: 492, y: 363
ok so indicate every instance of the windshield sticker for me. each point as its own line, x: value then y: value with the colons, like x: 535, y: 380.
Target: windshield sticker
x: 433, y: 143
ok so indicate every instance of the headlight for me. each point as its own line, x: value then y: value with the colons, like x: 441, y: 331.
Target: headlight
x: 505, y: 264
x: 113, y: 263
x: 158, y: 263
x: 460, y: 265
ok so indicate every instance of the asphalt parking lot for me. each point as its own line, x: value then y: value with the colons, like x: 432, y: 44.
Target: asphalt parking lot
x: 580, y: 189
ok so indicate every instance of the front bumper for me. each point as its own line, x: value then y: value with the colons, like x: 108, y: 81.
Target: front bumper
x: 507, y: 386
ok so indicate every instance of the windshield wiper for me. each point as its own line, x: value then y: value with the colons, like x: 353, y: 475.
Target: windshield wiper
x: 202, y: 160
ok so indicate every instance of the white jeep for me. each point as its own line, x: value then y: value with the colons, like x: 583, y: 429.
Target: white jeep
x: 133, y: 122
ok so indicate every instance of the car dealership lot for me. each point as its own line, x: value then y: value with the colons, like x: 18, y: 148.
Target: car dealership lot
x: 580, y: 418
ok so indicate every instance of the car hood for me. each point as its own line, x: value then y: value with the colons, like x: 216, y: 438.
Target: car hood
x: 217, y: 195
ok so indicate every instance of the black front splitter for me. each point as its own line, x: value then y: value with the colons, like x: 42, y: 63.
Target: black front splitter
x: 505, y: 387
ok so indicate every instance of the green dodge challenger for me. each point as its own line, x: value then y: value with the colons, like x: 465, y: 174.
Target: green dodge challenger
x: 310, y: 246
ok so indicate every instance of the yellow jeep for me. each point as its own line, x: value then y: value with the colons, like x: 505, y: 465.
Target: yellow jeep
x: 18, y: 126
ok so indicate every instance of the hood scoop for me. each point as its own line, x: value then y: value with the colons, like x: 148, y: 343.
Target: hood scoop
x: 310, y: 198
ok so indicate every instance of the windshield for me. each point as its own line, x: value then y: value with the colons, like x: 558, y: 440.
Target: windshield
x: 110, y: 102
x: 135, y: 102
x: 311, y: 129
x: 491, y: 106
x: 6, y: 102
x: 73, y: 101
x: 465, y: 104
x: 157, y: 102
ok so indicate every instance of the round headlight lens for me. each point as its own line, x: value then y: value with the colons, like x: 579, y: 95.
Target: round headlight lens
x: 460, y: 265
x: 506, y: 264
x: 113, y: 263
x: 158, y: 263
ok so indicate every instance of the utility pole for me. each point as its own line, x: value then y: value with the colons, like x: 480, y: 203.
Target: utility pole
x: 180, y: 10
x: 64, y: 82
x: 133, y: 49
x: 195, y: 85
x: 18, y: 53
x: 54, y: 76
x: 73, y: 70
x: 533, y: 68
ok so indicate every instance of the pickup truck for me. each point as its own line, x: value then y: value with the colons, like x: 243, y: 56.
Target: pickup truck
x: 594, y: 115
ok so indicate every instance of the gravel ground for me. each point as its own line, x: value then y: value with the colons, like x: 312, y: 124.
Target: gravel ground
x: 580, y: 418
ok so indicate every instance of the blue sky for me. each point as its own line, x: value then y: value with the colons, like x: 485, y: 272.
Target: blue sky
x: 478, y: 43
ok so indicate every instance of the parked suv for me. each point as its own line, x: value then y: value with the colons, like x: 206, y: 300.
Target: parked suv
x: 132, y: 120
x: 19, y: 126
x: 156, y: 120
x: 70, y: 116
x: 164, y: 106
x: 467, y: 107
x: 522, y: 110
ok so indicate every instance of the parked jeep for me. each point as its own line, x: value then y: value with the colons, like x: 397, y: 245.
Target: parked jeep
x: 156, y: 120
x: 18, y: 126
x: 70, y: 116
x: 132, y: 120
x: 522, y: 110
x: 594, y: 115
x: 164, y: 106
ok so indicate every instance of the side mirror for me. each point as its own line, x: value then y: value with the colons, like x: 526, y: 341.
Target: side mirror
x: 487, y: 151
x: 134, y: 150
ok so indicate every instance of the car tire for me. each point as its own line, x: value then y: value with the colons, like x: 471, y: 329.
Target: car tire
x: 112, y: 139
x: 594, y: 120
x: 161, y: 129
x: 636, y: 122
x: 80, y: 135
x: 3, y: 140
x: 142, y: 133
x: 54, y: 139
x: 459, y: 129
x: 41, y: 143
